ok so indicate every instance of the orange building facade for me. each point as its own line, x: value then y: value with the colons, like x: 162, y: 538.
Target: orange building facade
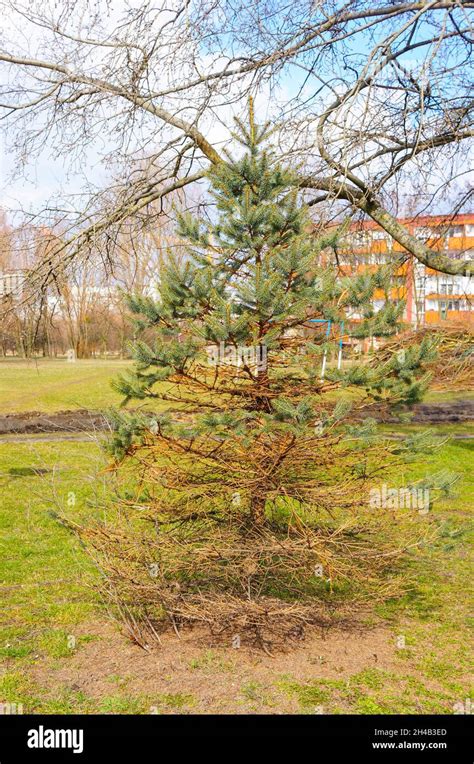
x: 431, y: 297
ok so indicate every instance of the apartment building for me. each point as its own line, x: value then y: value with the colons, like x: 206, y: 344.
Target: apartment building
x: 11, y: 284
x: 431, y: 297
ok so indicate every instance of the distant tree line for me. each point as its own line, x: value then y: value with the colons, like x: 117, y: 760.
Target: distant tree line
x: 82, y: 310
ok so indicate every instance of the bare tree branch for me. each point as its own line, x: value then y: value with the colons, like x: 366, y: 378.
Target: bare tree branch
x: 365, y: 99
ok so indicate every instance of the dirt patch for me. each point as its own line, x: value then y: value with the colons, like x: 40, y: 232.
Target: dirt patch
x: 83, y: 420
x: 217, y: 680
x: 441, y: 413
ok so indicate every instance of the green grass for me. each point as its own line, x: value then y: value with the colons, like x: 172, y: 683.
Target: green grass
x: 56, y: 385
x: 48, y: 608
x: 45, y: 599
x: 210, y: 661
x: 374, y: 692
x: 440, y: 396
x: 441, y: 430
x: 44, y: 571
x: 64, y: 700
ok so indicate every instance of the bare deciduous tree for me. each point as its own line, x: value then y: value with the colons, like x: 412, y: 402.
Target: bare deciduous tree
x: 370, y: 100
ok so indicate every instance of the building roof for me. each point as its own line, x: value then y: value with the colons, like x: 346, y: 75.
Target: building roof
x: 420, y: 220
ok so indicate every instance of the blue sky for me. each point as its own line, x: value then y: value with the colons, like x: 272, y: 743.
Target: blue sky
x: 49, y: 177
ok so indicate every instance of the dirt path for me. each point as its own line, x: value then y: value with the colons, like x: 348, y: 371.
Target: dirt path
x: 83, y: 420
x: 75, y: 437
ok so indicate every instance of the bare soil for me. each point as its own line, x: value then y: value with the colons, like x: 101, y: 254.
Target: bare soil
x: 84, y: 420
x: 218, y: 680
x: 81, y: 420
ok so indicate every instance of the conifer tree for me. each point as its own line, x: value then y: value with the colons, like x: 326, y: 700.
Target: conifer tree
x: 252, y: 471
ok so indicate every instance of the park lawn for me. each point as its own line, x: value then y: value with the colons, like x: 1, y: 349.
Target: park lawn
x: 43, y: 569
x: 435, y: 430
x: 445, y: 396
x: 51, y: 385
x: 47, y: 599
x: 55, y: 385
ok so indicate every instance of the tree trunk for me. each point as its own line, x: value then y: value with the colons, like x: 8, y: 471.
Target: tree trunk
x: 257, y: 510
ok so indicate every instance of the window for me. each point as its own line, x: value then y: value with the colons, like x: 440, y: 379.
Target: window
x: 11, y: 284
x: 470, y: 229
x: 456, y: 230
x: 446, y: 288
x: 379, y: 235
x: 424, y: 233
x: 361, y: 238
x: 442, y: 310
